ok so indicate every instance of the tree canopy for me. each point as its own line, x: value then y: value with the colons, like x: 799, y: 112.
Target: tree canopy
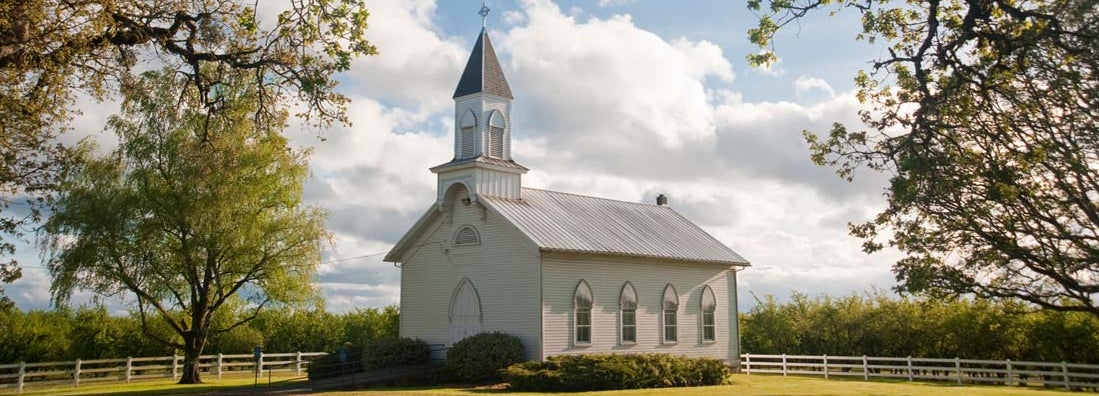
x: 985, y: 113
x: 54, y: 52
x: 197, y: 215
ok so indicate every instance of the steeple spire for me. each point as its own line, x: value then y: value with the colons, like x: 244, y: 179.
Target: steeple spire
x: 483, y: 72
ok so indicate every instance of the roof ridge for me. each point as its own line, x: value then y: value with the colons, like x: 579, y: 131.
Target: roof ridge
x: 594, y: 197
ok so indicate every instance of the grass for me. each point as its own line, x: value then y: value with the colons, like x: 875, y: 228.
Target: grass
x: 754, y: 385
x: 160, y: 386
x: 757, y: 385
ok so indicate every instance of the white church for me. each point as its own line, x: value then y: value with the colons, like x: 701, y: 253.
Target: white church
x: 566, y: 273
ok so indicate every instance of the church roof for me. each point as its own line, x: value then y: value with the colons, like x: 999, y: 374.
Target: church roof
x: 557, y: 221
x: 482, y: 160
x: 562, y: 222
x: 483, y: 72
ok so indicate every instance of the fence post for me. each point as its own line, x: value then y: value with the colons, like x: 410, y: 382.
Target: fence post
x: 958, y: 369
x: 76, y: 373
x: 175, y: 366
x: 747, y: 364
x: 909, y: 368
x: 784, y: 365
x: 825, y: 366
x: 1064, y: 371
x: 1010, y: 380
x: 297, y: 364
x: 22, y: 373
x: 219, y: 366
x: 129, y: 366
x: 865, y: 369
x: 259, y: 364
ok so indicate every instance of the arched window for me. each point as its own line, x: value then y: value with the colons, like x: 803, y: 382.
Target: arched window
x: 670, y: 306
x: 709, y: 305
x: 469, y: 131
x: 582, y: 303
x: 467, y: 235
x: 628, y: 314
x: 496, y: 126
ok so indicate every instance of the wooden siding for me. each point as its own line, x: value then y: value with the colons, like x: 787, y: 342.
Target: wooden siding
x: 503, y: 268
x: 561, y: 274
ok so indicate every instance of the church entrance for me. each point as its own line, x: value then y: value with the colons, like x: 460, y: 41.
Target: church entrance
x: 465, y: 312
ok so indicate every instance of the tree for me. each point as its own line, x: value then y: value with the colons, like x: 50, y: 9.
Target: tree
x: 52, y: 52
x: 195, y: 212
x: 985, y: 114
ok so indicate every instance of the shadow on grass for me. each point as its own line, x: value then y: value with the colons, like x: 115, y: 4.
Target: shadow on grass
x: 199, y: 389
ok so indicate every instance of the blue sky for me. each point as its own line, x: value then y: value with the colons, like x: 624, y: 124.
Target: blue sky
x: 623, y: 100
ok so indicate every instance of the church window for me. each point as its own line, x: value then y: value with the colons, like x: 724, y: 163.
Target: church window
x: 468, y: 138
x: 709, y: 305
x: 496, y: 128
x: 467, y: 236
x: 628, y: 319
x: 582, y: 304
x: 670, y: 306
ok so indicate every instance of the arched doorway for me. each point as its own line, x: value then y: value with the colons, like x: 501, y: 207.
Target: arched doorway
x: 465, y: 311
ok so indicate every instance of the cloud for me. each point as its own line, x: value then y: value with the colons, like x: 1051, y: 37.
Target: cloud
x: 806, y: 84
x: 614, y: 3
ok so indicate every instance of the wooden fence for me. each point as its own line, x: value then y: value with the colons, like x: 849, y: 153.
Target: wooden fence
x: 85, y: 371
x: 1003, y: 372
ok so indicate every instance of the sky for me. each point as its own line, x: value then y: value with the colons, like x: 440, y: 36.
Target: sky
x: 618, y: 99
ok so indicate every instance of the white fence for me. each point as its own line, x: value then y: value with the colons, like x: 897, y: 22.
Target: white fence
x: 1004, y: 372
x: 84, y: 371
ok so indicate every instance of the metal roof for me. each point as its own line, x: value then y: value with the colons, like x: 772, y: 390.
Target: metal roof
x: 565, y: 222
x: 483, y: 72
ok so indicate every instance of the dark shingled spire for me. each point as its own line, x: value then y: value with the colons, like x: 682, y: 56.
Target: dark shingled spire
x: 483, y: 72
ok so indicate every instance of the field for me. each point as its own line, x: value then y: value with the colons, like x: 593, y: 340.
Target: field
x: 754, y: 385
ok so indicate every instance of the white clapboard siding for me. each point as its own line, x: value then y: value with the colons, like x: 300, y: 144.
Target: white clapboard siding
x: 503, y: 268
x: 606, y: 276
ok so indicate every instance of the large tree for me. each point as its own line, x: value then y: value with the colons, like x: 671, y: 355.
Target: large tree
x: 195, y: 212
x: 985, y: 114
x: 53, y: 52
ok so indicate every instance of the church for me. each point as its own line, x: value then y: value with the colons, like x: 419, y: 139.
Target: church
x: 565, y: 273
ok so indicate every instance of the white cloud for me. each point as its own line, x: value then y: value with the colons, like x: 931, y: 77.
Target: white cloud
x: 613, y: 3
x: 806, y: 84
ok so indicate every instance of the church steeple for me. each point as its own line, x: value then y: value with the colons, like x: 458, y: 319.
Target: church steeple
x: 482, y: 161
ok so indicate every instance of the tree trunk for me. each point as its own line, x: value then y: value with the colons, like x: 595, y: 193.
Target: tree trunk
x: 192, y: 350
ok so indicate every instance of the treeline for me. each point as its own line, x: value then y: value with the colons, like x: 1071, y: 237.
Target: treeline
x: 881, y: 325
x: 92, y: 333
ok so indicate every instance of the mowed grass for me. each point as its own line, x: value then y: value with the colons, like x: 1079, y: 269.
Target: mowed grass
x: 759, y: 385
x: 754, y: 385
x: 162, y: 386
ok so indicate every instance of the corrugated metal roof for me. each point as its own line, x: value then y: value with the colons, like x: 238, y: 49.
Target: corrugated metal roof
x: 558, y: 221
x: 483, y: 72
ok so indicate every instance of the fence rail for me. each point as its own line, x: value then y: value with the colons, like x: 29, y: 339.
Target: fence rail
x: 1003, y: 372
x: 78, y: 372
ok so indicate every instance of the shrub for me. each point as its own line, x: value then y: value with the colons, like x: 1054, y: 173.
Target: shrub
x: 479, y: 358
x: 330, y: 366
x: 394, y: 352
x: 608, y: 372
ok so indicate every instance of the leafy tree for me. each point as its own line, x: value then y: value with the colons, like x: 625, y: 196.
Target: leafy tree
x: 986, y: 115
x: 52, y: 52
x: 197, y: 212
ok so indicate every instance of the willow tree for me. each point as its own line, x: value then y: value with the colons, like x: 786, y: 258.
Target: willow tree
x: 985, y: 114
x: 194, y: 212
x: 55, y: 54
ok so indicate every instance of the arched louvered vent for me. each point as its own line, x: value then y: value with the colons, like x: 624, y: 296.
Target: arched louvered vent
x: 467, y: 236
x: 469, y: 128
x: 496, y: 128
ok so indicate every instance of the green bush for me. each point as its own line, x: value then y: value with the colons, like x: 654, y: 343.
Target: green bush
x: 330, y: 366
x: 609, y: 372
x: 479, y: 358
x: 394, y: 352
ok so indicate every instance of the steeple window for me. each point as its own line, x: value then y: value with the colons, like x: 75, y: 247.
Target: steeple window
x: 468, y: 135
x: 496, y: 128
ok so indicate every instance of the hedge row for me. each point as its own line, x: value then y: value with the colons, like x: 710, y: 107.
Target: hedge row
x: 378, y: 355
x: 610, y: 372
x: 479, y: 358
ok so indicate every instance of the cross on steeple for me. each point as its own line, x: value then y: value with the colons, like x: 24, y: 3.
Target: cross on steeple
x: 484, y: 14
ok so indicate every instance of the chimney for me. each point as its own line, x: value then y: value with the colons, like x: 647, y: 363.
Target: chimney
x: 661, y: 200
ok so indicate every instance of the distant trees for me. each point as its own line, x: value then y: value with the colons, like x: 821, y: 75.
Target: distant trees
x: 92, y: 333
x: 881, y: 325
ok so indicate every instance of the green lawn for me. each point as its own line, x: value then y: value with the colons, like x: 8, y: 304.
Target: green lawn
x: 159, y: 386
x: 754, y: 385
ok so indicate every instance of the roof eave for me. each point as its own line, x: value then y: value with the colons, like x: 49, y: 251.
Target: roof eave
x: 398, y: 250
x: 645, y: 256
